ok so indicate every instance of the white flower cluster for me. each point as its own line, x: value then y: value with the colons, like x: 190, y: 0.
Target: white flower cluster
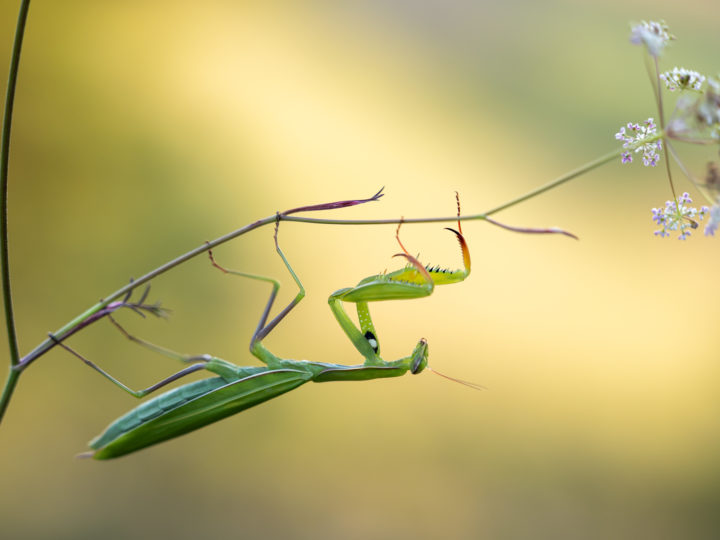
x: 654, y: 35
x: 635, y: 137
x: 678, y: 217
x: 682, y: 79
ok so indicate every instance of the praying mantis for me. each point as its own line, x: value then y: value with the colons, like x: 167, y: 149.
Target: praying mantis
x: 236, y: 388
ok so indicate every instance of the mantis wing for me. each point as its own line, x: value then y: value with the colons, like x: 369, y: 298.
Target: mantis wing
x: 211, y: 406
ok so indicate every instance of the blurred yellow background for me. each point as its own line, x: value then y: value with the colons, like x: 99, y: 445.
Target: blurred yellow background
x: 143, y: 129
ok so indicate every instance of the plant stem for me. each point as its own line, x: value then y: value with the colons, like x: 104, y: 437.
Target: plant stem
x: 559, y: 181
x: 10, y: 384
x: 470, y: 217
x: 4, y: 161
x: 62, y: 332
x: 12, y: 378
x: 661, y: 118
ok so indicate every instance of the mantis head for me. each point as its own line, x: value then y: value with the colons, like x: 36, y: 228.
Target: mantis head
x: 419, y: 362
x: 419, y: 357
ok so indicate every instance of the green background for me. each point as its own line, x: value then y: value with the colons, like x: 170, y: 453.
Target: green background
x: 143, y: 129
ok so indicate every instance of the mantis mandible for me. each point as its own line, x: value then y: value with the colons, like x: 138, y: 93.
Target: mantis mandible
x: 235, y: 388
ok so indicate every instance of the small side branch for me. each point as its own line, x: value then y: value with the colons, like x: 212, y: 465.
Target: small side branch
x: 140, y: 307
x: 333, y: 205
x: 531, y: 230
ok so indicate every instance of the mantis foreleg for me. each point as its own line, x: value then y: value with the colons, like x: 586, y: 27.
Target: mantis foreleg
x: 413, y: 281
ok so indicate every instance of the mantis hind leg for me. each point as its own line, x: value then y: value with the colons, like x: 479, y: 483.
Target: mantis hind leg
x: 200, y: 364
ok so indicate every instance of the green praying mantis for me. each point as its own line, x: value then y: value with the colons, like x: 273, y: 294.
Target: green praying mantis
x: 236, y: 388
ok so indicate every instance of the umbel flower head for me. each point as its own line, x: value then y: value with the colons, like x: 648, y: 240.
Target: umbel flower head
x: 678, y: 217
x: 682, y: 79
x: 654, y: 35
x: 633, y: 136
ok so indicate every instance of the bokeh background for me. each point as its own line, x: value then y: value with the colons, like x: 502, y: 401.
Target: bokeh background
x: 143, y: 129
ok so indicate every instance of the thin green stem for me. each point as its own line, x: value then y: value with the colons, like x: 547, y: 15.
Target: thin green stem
x: 661, y: 117
x: 602, y: 160
x: 68, y: 328
x: 8, y: 389
x: 688, y: 140
x: 4, y: 162
x: 651, y: 75
x: 658, y: 92
x: 470, y: 217
x: 12, y: 378
x: 688, y: 174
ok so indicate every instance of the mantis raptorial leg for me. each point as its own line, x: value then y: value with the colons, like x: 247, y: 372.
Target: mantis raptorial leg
x: 413, y: 281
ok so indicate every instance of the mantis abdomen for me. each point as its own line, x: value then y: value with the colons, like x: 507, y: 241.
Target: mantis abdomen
x: 214, y: 400
x: 200, y: 403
